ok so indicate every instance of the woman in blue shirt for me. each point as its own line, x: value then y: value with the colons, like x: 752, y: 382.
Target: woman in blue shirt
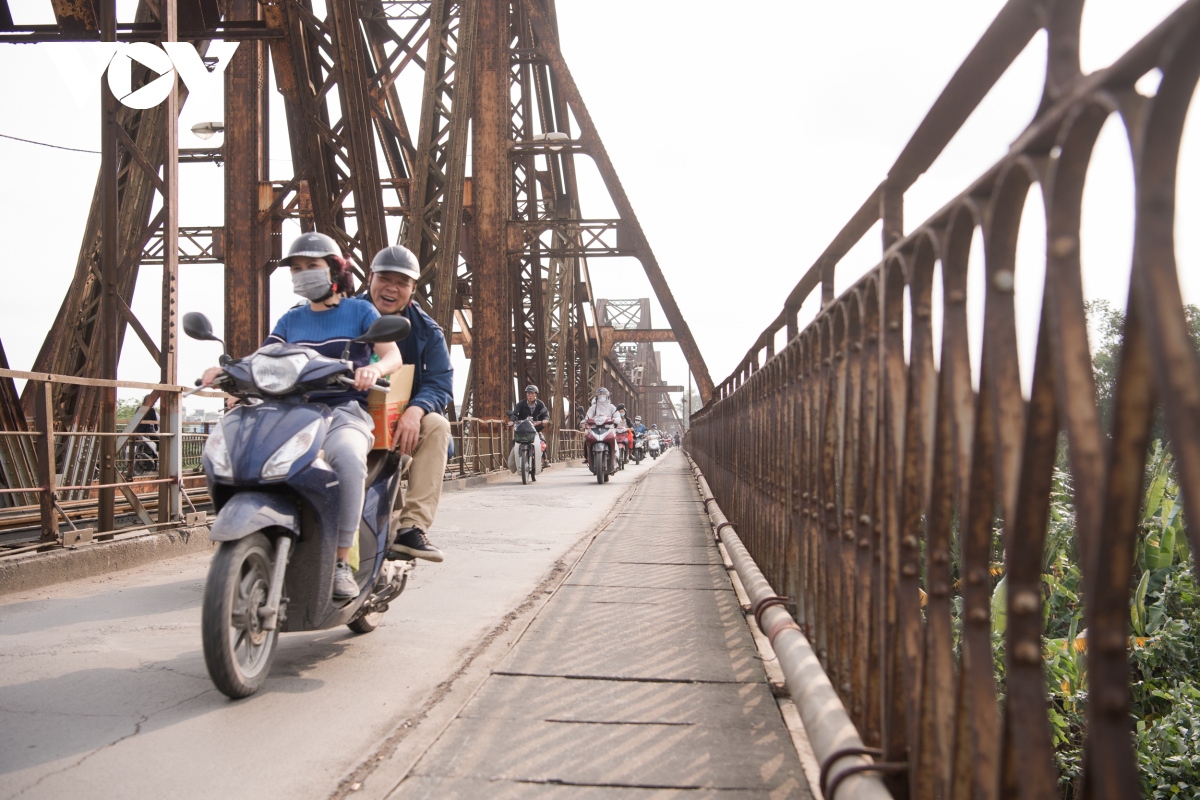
x: 326, y: 323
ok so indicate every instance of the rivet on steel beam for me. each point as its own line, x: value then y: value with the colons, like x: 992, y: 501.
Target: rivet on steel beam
x: 1004, y: 280
x: 864, y: 543
x: 976, y: 576
x: 957, y: 296
x: 939, y: 589
x: 1112, y: 642
x: 849, y: 513
x: 977, y: 615
x: 1025, y: 602
x: 829, y: 507
x: 910, y: 541
x: 1063, y: 246
x: 940, y: 556
x: 1027, y: 653
x: 848, y: 534
x: 894, y: 325
x: 865, y: 519
x: 1112, y: 701
x: 909, y: 570
x: 831, y: 527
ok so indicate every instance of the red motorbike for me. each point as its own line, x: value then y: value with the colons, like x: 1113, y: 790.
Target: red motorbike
x: 600, y: 447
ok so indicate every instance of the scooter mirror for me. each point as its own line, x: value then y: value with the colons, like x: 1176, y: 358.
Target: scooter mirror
x: 197, y: 326
x: 386, y: 329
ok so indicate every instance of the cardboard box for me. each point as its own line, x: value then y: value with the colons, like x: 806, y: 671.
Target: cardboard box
x: 386, y: 408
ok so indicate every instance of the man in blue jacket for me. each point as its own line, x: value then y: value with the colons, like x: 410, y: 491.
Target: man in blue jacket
x: 422, y: 431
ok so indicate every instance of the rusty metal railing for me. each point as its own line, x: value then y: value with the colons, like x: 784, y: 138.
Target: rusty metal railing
x: 46, y: 458
x: 862, y: 478
x: 482, y: 445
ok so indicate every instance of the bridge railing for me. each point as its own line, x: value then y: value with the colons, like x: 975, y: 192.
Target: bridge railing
x: 482, y: 445
x: 868, y: 480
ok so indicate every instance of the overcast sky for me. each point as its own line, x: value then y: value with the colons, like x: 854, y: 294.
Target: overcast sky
x: 745, y: 135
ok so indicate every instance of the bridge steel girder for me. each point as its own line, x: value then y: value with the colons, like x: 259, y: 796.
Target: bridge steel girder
x: 440, y: 173
x: 246, y: 241
x: 547, y: 45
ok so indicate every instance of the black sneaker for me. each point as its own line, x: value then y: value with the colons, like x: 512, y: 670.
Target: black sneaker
x: 413, y: 543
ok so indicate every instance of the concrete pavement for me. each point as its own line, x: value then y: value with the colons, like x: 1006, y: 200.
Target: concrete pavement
x: 638, y: 679
x: 103, y: 690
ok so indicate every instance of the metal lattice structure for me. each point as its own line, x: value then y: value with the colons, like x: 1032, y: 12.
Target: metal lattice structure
x: 503, y: 253
x: 856, y: 471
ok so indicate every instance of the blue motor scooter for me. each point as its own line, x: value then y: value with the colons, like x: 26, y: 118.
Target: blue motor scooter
x: 277, y: 510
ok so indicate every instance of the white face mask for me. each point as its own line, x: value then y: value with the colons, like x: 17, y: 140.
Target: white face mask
x: 312, y: 284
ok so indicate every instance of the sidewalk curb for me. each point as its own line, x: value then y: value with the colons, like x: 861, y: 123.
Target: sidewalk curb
x: 37, y: 570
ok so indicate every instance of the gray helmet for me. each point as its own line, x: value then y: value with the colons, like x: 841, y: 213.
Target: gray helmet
x: 601, y: 391
x: 313, y: 245
x: 396, y: 259
x: 531, y: 388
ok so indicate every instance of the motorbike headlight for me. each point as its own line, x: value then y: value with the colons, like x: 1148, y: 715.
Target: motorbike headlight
x: 280, y: 462
x: 218, y: 454
x: 277, y: 375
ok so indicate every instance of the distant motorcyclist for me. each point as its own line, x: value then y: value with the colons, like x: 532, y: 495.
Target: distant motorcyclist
x: 623, y: 422
x: 601, y: 408
x: 638, y: 427
x: 532, y: 409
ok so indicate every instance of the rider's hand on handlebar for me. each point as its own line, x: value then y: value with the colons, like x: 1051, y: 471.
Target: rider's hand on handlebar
x: 365, y: 377
x: 210, y: 375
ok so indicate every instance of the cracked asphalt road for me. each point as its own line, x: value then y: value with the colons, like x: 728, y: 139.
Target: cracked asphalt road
x: 103, y: 690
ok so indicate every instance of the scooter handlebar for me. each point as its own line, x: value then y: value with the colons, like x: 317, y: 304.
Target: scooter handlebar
x: 383, y: 384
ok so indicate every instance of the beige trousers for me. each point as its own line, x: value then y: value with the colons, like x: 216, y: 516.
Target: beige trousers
x: 426, y: 474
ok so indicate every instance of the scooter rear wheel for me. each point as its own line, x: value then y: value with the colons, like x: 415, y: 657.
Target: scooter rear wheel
x: 237, y: 650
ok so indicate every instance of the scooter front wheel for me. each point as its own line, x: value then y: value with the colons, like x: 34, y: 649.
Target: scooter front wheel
x: 237, y: 650
x: 524, y: 467
x: 599, y: 473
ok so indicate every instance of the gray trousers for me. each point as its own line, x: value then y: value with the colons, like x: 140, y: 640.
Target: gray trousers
x: 350, y: 438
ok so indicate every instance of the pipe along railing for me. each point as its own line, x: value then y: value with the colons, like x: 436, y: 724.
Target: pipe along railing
x: 835, y: 741
x: 874, y: 486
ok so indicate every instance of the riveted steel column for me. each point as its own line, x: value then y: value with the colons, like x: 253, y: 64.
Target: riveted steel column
x: 492, y: 333
x: 110, y: 255
x: 247, y: 239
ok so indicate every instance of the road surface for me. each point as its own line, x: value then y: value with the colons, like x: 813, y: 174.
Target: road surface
x: 103, y: 689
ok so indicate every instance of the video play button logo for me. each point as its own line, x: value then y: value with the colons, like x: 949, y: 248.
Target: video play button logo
x: 120, y: 75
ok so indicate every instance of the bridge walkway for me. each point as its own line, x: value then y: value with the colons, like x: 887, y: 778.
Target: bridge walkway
x: 639, y: 678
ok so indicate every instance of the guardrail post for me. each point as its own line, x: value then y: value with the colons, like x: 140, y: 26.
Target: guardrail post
x: 170, y: 458
x: 44, y: 421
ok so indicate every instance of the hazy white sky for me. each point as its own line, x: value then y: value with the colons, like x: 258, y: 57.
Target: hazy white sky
x: 745, y: 135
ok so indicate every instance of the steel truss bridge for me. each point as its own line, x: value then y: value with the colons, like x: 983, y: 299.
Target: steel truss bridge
x: 504, y: 253
x: 865, y: 477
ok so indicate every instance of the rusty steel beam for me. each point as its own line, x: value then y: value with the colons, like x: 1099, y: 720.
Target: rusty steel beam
x: 547, y: 44
x: 246, y: 240
x: 440, y: 171
x: 110, y: 254
x: 492, y: 368
x: 645, y: 335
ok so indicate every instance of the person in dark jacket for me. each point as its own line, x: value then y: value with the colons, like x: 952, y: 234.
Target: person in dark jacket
x: 423, y: 430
